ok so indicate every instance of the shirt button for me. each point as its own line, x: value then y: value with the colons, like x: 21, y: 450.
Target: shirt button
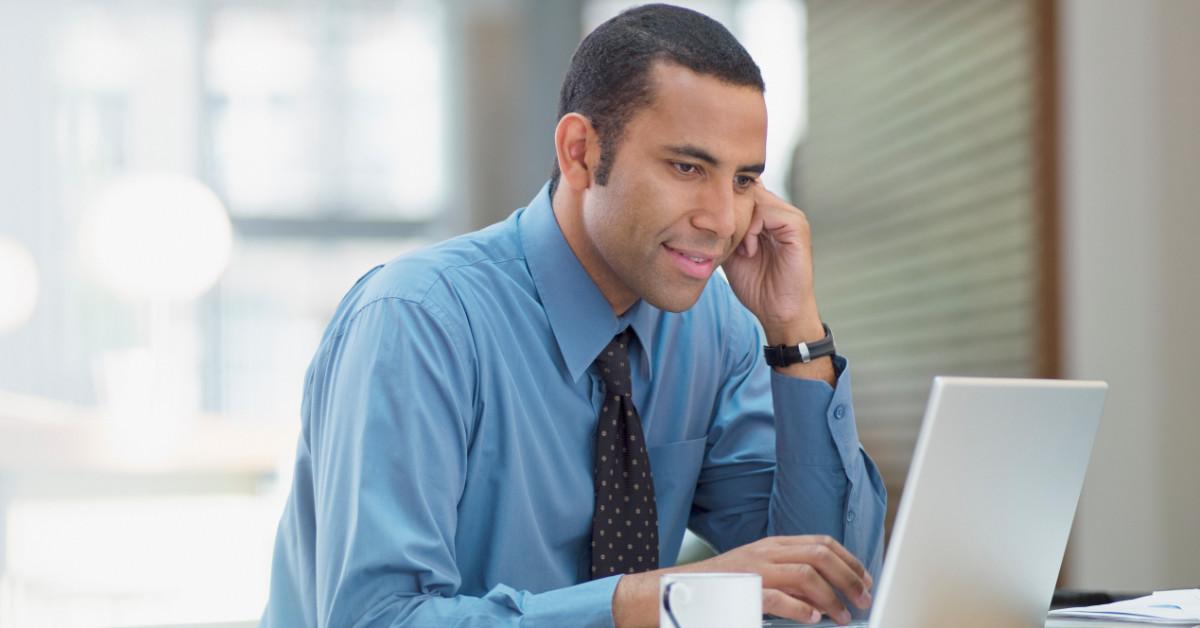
x: 839, y: 412
x: 850, y: 517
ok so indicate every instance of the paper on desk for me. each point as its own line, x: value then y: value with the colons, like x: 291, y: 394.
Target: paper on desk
x: 1180, y: 607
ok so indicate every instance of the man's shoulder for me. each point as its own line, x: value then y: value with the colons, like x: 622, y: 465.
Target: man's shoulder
x: 445, y: 275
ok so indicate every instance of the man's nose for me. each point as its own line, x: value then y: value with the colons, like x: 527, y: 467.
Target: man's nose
x: 716, y: 212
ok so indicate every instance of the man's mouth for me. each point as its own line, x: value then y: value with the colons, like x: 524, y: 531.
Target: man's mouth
x: 695, y: 264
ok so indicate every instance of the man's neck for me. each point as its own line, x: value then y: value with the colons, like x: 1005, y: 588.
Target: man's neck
x: 568, y: 212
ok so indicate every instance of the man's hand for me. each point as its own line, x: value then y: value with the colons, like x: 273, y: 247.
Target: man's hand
x: 771, y: 272
x: 801, y: 578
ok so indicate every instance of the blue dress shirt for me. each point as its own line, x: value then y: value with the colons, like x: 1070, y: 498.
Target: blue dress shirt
x: 444, y: 468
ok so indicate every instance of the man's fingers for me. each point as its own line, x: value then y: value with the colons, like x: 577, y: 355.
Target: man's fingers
x: 822, y: 564
x: 850, y: 559
x: 778, y: 603
x: 806, y: 582
x: 806, y: 573
x: 750, y: 241
x: 777, y: 218
x: 835, y: 571
x: 829, y: 565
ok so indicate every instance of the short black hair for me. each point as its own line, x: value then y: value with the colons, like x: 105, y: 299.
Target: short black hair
x: 609, y: 77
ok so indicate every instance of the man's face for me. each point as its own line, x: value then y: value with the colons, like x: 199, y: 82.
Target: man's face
x: 680, y: 195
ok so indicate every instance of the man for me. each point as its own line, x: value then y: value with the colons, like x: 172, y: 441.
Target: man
x: 516, y: 426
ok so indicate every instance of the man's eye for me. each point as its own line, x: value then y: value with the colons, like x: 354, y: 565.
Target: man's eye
x: 686, y: 168
x: 743, y: 181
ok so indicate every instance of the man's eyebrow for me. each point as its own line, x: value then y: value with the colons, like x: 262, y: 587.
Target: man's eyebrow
x: 696, y: 152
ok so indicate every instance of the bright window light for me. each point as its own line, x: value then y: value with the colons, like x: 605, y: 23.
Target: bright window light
x: 157, y: 237
x: 319, y: 116
x: 18, y: 284
x: 773, y: 33
x: 95, y: 54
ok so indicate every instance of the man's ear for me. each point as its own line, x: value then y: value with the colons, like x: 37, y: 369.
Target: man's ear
x: 578, y: 150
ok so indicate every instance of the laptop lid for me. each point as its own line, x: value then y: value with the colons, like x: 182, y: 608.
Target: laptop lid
x: 988, y: 504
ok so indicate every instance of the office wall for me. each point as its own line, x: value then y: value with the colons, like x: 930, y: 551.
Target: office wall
x: 1130, y: 111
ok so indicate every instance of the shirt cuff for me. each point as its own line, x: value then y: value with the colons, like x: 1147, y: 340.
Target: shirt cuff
x: 586, y: 604
x: 814, y: 421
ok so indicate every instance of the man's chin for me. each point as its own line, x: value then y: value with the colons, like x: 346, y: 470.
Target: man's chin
x: 674, y: 301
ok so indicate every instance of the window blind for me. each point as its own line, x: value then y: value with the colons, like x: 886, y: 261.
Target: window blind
x: 925, y: 174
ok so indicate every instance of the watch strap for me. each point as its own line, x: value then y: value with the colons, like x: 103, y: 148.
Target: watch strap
x: 805, y: 352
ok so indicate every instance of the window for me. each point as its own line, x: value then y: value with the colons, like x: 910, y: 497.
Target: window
x: 322, y: 114
x: 321, y: 127
x: 927, y: 177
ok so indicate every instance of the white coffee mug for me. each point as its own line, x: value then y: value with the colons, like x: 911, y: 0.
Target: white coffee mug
x: 710, y: 600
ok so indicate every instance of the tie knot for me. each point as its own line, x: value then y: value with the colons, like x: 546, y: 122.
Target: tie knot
x: 613, y: 363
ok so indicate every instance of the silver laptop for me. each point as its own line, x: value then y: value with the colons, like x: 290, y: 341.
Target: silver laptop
x: 988, y: 504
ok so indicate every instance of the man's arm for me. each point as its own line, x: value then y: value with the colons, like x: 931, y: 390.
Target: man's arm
x: 786, y: 460
x: 823, y: 482
x: 783, y: 456
x: 782, y: 460
x: 391, y: 409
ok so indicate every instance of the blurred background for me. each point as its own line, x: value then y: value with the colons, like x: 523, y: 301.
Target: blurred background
x: 187, y: 188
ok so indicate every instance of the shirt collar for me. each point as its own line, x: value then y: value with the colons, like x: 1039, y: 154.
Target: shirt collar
x: 582, y: 320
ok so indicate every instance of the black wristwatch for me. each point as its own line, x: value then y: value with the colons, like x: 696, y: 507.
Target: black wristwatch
x: 785, y: 355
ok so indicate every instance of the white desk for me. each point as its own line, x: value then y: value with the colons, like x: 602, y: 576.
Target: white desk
x: 1050, y: 623
x: 50, y: 449
x: 1084, y: 623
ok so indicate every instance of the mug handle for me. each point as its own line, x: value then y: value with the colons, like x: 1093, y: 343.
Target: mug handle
x: 666, y: 602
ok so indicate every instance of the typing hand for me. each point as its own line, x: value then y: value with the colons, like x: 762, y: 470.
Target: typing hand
x: 801, y: 575
x: 801, y: 578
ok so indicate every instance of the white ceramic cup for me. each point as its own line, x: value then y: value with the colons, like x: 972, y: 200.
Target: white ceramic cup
x: 710, y: 600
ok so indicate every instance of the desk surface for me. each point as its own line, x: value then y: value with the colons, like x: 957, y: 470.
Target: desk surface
x: 1062, y: 622
x: 47, y: 436
x: 1054, y: 622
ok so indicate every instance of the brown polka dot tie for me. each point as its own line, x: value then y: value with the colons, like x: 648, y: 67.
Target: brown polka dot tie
x: 625, y: 521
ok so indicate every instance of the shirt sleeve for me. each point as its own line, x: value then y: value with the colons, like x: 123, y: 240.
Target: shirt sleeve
x: 391, y: 412
x: 784, y: 458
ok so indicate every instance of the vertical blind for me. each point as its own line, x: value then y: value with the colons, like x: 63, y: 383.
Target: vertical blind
x: 924, y: 177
